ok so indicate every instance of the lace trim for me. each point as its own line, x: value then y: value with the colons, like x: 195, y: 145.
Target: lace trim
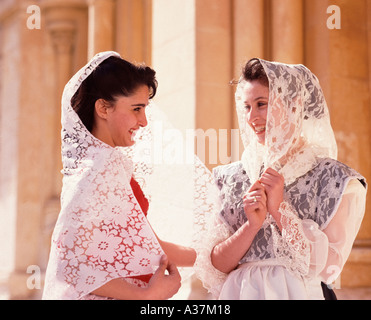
x: 298, y: 128
x: 291, y: 247
x: 137, y: 282
x: 212, y: 278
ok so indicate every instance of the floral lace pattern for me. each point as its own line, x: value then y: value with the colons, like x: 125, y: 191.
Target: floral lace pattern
x: 136, y: 282
x: 291, y: 248
x: 314, y: 196
x: 298, y: 129
x: 101, y: 233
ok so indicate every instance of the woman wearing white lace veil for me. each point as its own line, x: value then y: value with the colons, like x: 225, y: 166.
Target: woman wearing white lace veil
x: 290, y: 211
x: 103, y: 245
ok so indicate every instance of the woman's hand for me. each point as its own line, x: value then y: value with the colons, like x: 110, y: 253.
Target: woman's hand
x: 164, y: 286
x: 161, y: 286
x: 273, y: 183
x: 255, y: 205
x: 226, y: 255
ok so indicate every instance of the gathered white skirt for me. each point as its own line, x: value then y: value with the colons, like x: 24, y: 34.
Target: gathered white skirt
x: 267, y: 280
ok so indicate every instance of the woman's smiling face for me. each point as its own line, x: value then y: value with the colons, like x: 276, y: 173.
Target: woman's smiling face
x: 255, y: 98
x: 118, y: 123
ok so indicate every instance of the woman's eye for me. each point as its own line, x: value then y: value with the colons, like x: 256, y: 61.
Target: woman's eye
x: 262, y: 104
x: 247, y: 107
x: 137, y: 109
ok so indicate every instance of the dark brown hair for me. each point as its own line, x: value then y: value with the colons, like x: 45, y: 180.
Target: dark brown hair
x: 253, y: 70
x: 113, y: 78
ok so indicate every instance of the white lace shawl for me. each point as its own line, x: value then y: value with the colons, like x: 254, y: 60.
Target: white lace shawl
x: 101, y: 233
x: 298, y: 129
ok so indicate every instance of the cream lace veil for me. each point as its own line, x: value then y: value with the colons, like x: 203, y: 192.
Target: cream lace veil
x: 298, y: 129
x: 101, y: 233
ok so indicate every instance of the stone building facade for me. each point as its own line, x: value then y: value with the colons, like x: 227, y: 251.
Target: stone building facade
x: 196, y: 47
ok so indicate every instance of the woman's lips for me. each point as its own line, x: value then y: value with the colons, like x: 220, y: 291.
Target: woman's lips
x: 259, y: 129
x: 133, y: 132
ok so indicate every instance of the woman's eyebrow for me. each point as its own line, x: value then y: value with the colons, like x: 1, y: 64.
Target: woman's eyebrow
x: 138, y: 105
x: 245, y: 102
x: 260, y: 98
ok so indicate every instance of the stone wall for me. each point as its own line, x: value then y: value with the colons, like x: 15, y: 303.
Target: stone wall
x: 197, y: 47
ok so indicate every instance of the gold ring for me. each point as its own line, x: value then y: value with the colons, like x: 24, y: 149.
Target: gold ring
x: 255, y: 200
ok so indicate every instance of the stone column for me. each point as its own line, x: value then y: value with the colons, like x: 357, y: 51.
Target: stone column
x: 249, y: 37
x: 62, y: 34
x: 22, y: 97
x: 214, y: 71
x: 133, y: 30
x: 173, y: 58
x: 248, y: 32
x: 341, y: 60
x: 287, y: 31
x: 101, y: 26
x: 351, y: 114
x: 36, y: 95
x: 317, y: 42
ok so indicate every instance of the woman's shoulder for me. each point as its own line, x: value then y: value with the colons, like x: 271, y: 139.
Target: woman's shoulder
x: 335, y: 169
x: 228, y: 169
x: 229, y: 174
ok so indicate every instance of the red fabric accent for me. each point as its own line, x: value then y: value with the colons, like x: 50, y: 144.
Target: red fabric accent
x: 139, y: 195
x: 144, y: 204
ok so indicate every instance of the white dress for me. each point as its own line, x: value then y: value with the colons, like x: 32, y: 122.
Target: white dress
x: 318, y: 232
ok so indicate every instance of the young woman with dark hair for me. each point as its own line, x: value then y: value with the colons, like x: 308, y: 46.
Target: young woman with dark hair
x: 103, y: 245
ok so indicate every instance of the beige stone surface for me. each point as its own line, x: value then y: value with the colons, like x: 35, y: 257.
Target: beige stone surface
x: 360, y: 293
x: 197, y: 47
x: 287, y: 31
